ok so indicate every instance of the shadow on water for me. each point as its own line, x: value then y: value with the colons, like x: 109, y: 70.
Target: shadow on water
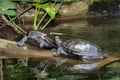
x: 105, y: 32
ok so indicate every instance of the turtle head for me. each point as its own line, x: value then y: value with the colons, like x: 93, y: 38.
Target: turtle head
x: 60, y: 49
x: 41, y: 34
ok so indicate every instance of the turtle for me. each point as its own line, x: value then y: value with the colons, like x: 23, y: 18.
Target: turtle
x: 39, y: 39
x: 87, y: 50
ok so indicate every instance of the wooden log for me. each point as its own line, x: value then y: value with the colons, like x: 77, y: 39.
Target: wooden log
x: 108, y: 60
x: 10, y: 49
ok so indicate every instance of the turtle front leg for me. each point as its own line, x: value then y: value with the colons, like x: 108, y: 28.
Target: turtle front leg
x: 41, y: 45
x: 59, y: 51
x: 22, y: 41
x: 56, y: 53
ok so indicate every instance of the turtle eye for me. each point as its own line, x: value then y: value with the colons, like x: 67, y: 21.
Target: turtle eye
x: 42, y: 36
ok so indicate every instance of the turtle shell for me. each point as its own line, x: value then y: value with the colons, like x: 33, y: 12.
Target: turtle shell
x: 37, y: 37
x: 81, y: 47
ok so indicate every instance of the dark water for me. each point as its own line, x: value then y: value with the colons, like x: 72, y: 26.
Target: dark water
x: 105, y: 32
x: 102, y: 31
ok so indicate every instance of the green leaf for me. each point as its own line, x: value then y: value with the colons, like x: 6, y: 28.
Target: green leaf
x: 5, y: 6
x: 10, y: 12
x: 48, y: 8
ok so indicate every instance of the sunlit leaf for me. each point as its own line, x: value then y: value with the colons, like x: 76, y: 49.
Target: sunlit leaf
x: 48, y: 8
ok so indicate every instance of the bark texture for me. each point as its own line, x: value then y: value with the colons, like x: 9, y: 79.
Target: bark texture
x: 10, y: 49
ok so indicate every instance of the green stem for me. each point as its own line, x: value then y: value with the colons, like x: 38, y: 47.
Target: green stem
x: 54, y: 2
x: 59, y: 7
x: 22, y: 13
x: 41, y: 20
x: 35, y: 19
x: 51, y: 18
x: 44, y: 18
x: 18, y: 27
x: 46, y: 24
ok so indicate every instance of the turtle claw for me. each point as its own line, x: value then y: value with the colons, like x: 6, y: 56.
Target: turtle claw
x: 55, y: 54
x: 20, y: 43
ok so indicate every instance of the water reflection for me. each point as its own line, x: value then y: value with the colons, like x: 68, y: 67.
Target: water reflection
x: 111, y: 72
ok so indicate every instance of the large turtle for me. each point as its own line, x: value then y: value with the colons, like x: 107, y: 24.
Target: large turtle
x: 39, y: 39
x: 77, y: 47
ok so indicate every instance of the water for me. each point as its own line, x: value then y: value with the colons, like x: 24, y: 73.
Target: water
x: 105, y: 32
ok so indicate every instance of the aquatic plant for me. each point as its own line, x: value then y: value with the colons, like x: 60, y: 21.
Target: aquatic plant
x: 39, y: 5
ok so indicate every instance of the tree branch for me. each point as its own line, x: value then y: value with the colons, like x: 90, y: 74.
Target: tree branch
x: 10, y: 49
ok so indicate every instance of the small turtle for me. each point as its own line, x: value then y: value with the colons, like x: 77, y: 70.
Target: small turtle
x: 39, y: 39
x: 77, y: 47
